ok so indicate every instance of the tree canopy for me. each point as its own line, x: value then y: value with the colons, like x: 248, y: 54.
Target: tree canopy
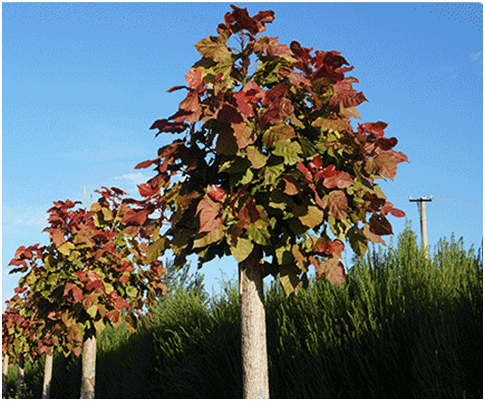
x: 265, y: 156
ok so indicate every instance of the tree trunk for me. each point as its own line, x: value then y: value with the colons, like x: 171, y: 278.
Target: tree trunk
x: 4, y: 375
x: 253, y: 327
x: 20, y: 377
x: 89, y: 366
x: 46, y: 389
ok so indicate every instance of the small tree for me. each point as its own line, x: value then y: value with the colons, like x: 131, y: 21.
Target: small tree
x: 272, y: 171
x: 92, y: 274
x: 19, y: 334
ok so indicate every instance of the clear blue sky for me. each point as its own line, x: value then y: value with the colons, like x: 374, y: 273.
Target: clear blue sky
x: 83, y: 82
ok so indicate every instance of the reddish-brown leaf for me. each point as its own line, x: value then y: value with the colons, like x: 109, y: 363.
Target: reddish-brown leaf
x: 334, y: 271
x: 75, y: 291
x: 145, y: 164
x: 166, y: 126
x: 210, y: 214
x: 380, y: 225
x: 339, y: 180
x: 373, y: 128
x: 215, y: 193
x: 147, y: 190
x: 135, y: 217
x: 244, y: 135
x: 337, y: 205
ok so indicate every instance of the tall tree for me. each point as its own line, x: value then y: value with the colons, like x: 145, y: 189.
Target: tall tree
x: 272, y: 171
x: 92, y: 274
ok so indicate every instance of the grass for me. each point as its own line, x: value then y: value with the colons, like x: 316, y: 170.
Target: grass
x: 402, y: 326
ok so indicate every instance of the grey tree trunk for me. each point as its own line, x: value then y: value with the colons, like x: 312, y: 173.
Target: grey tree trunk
x: 253, y: 327
x: 4, y: 375
x: 46, y: 389
x: 88, y: 367
x: 20, y: 376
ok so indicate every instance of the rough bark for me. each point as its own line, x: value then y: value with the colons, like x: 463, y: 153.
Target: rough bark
x: 20, y: 376
x: 4, y: 376
x: 253, y: 328
x: 88, y: 367
x: 46, y: 389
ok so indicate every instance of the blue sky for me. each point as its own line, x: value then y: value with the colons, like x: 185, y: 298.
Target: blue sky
x: 83, y: 82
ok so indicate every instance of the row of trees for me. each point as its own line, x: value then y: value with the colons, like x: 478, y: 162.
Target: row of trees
x: 92, y: 274
x: 272, y: 173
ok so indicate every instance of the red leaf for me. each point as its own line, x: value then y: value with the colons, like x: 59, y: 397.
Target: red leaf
x: 337, y: 205
x: 380, y: 225
x: 135, y: 217
x: 239, y: 19
x: 113, y: 316
x: 386, y: 143
x: 97, y: 284
x: 76, y: 292
x: 19, y: 252
x: 192, y: 105
x: 176, y: 88
x: 334, y: 271
x: 388, y: 208
x: 166, y: 126
x: 273, y: 94
x: 145, y: 164
x: 244, y: 135
x: 209, y: 213
x: 215, y: 193
x: 194, y: 79
x: 373, y: 128
x: 147, y: 190
x: 305, y: 171
x: 340, y: 180
x: 300, y: 52
x: 316, y: 164
x: 229, y: 115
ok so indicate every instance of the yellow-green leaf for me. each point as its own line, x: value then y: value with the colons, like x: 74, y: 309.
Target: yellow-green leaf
x: 206, y: 238
x: 66, y: 247
x: 313, y: 217
x: 243, y: 249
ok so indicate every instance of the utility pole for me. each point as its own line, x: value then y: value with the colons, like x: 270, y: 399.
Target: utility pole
x: 422, y: 214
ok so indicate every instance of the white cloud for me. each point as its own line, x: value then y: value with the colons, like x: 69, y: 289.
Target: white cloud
x: 134, y: 179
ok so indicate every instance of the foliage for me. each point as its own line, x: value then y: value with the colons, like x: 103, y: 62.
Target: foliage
x: 402, y: 326
x: 266, y: 157
x: 90, y: 275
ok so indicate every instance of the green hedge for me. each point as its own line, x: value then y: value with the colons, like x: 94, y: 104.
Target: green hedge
x: 402, y: 326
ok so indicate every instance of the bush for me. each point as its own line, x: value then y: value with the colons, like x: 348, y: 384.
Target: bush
x: 402, y: 326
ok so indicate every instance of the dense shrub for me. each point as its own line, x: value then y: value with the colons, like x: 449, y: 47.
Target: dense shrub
x: 402, y: 326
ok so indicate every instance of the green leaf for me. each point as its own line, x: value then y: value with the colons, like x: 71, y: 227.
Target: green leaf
x: 99, y: 325
x: 358, y: 241
x: 256, y: 158
x: 273, y: 173
x: 92, y: 310
x: 329, y: 124
x: 258, y: 234
x: 289, y: 280
x: 277, y: 133
x: 203, y: 239
x: 156, y: 249
x: 243, y: 249
x: 289, y: 150
x: 387, y: 165
x: 214, y: 47
x: 66, y: 247
x: 132, y: 292
x: 108, y: 288
x: 312, y: 218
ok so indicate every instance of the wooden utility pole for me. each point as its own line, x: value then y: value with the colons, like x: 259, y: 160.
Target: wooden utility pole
x: 422, y: 215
